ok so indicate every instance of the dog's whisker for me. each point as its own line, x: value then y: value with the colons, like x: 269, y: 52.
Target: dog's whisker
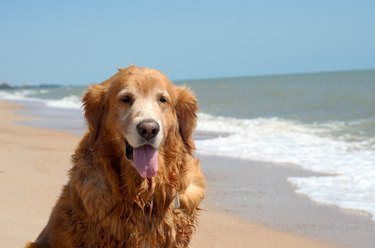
x: 117, y: 138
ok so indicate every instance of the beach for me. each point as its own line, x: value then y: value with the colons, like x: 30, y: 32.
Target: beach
x: 281, y: 95
x: 261, y: 210
x: 285, y: 165
x: 34, y: 166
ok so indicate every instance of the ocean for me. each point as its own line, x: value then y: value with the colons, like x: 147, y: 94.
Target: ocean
x: 323, y: 122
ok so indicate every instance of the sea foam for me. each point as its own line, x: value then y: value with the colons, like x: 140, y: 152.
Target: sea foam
x: 350, y: 165
x: 22, y: 94
x: 72, y: 101
x: 68, y: 102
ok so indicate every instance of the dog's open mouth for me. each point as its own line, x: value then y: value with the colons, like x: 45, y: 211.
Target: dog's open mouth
x: 129, y: 151
x: 145, y: 159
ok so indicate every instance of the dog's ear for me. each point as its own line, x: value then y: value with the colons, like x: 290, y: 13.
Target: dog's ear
x: 186, y: 110
x: 94, y: 107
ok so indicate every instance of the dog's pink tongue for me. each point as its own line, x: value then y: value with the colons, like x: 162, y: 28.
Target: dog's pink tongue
x: 146, y: 161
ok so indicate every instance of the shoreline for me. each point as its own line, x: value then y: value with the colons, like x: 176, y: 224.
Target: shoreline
x: 260, y: 192
x: 238, y: 233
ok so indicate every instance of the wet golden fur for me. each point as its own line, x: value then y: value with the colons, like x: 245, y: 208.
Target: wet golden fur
x: 106, y: 203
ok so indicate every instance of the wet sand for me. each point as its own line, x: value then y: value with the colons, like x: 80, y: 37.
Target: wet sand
x: 260, y: 193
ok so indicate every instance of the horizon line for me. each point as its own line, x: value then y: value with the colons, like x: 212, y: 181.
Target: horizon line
x: 26, y: 84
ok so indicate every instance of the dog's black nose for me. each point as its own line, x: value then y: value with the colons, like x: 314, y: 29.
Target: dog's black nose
x: 148, y: 129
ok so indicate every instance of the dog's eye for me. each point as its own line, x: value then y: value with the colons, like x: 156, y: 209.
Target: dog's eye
x: 163, y: 99
x: 127, y: 100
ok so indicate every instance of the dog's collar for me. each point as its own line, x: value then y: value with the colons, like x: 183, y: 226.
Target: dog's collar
x: 176, y: 201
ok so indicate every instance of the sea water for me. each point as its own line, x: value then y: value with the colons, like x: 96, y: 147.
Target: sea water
x: 323, y: 122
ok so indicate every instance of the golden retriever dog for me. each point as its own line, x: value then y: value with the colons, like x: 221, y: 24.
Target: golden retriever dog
x: 134, y: 181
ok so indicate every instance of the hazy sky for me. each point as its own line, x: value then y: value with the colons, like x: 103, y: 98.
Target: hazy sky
x: 80, y: 42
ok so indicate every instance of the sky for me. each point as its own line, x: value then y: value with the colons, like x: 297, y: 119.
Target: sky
x: 80, y: 42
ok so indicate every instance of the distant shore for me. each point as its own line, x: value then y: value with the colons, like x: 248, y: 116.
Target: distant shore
x: 245, y: 199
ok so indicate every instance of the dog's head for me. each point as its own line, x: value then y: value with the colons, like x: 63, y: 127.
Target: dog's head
x: 141, y: 107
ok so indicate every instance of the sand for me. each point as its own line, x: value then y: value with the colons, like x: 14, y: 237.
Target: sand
x: 33, y: 168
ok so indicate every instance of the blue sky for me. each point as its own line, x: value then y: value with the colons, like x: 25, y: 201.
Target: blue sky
x: 81, y: 42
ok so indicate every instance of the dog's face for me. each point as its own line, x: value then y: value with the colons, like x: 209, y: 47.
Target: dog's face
x: 141, y: 106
